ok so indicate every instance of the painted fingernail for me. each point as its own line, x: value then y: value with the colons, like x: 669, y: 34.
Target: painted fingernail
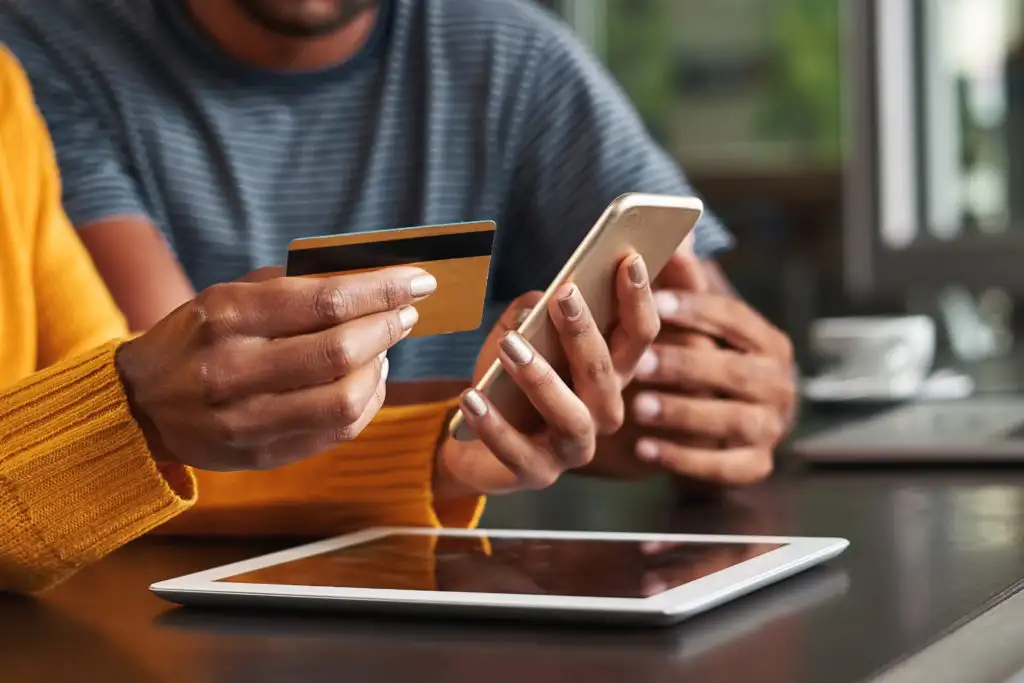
x: 646, y: 407
x: 385, y: 367
x: 638, y: 271
x: 423, y: 285
x: 667, y: 303
x: 647, y: 450
x: 474, y: 403
x: 570, y: 304
x: 648, y: 364
x: 516, y: 348
x: 522, y: 316
x: 408, y: 316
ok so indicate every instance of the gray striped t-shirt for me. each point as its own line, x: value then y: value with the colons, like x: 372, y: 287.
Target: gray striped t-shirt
x: 455, y: 110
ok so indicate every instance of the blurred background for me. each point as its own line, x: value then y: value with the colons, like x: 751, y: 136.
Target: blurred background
x: 866, y: 153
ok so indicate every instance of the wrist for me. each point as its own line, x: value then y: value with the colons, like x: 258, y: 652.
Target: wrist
x: 128, y: 370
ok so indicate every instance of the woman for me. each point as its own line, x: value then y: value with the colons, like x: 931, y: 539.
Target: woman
x: 99, y: 437
x: 102, y: 439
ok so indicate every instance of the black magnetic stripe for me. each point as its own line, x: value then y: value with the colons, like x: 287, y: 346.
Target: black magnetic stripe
x: 344, y: 257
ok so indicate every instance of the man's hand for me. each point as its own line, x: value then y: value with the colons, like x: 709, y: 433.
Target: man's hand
x: 263, y: 372
x: 504, y: 459
x: 716, y: 393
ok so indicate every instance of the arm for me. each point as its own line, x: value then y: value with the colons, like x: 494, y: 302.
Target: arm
x: 139, y: 269
x: 76, y: 477
x: 100, y: 194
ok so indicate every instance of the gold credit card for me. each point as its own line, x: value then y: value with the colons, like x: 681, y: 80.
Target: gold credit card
x: 457, y: 255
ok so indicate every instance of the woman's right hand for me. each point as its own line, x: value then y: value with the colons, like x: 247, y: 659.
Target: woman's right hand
x: 259, y: 374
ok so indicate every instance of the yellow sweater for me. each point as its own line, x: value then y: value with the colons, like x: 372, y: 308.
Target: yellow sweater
x: 76, y: 478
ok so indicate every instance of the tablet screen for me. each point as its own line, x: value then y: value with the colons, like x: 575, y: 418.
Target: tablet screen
x: 536, y: 566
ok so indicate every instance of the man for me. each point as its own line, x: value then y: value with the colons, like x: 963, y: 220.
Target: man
x: 218, y: 130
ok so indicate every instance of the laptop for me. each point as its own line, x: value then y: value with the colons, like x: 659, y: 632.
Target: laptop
x: 979, y: 429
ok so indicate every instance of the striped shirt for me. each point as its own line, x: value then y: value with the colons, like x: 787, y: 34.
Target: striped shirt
x: 454, y: 110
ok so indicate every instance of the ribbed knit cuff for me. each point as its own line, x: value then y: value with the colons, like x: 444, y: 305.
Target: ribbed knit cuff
x: 382, y: 478
x: 76, y: 473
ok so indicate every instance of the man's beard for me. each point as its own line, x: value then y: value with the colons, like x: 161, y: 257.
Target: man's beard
x: 285, y: 17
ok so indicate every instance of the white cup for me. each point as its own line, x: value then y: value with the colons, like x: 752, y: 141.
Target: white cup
x: 895, y: 349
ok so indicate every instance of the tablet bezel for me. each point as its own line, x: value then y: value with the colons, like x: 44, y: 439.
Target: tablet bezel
x: 795, y: 554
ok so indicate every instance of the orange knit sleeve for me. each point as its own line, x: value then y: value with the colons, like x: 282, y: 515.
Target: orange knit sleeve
x: 76, y: 476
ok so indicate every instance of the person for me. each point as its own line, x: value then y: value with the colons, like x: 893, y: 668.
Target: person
x: 198, y: 137
x: 101, y: 437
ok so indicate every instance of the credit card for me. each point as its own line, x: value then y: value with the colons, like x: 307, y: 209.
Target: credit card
x: 458, y: 255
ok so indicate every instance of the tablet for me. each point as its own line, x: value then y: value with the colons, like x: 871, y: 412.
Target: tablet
x: 544, y: 575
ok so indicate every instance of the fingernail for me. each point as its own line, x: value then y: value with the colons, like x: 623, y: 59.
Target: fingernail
x: 522, y: 316
x: 422, y: 285
x: 646, y: 407
x: 385, y: 367
x: 638, y: 271
x: 646, y: 450
x: 474, y: 403
x: 570, y: 304
x: 648, y: 364
x: 516, y: 348
x: 408, y: 316
x: 667, y: 303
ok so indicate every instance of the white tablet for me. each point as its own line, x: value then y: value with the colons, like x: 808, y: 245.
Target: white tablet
x: 629, y: 578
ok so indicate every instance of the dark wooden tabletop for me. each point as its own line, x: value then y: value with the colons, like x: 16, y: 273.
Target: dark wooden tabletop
x: 929, y: 550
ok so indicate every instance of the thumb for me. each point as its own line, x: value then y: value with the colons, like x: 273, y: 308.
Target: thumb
x: 684, y: 270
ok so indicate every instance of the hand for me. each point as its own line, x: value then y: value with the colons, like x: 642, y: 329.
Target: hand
x: 712, y: 411
x: 263, y: 372
x: 505, y: 459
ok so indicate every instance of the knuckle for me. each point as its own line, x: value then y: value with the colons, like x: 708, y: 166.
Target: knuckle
x: 774, y: 428
x: 214, y: 384
x: 393, y: 330
x: 332, y: 303
x: 544, y: 378
x: 345, y: 408
x: 338, y: 353
x: 391, y: 294
x: 542, y: 478
x: 228, y: 429
x: 599, y: 368
x: 214, y: 311
x: 735, y: 371
x: 612, y: 418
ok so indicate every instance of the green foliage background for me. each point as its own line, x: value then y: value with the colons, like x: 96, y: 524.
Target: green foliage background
x: 800, y: 100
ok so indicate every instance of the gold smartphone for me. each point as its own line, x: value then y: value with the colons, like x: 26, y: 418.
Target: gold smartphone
x: 651, y: 225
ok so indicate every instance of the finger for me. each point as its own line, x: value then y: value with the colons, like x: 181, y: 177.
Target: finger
x: 590, y: 365
x: 528, y: 466
x: 292, y: 306
x: 639, y: 322
x: 563, y: 412
x: 516, y: 313
x: 684, y: 270
x: 333, y: 408
x: 272, y: 367
x: 291, y: 449
x: 737, y: 423
x: 725, y: 317
x: 732, y: 466
x: 743, y: 376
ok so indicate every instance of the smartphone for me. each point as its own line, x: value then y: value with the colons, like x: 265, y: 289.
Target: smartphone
x: 651, y: 225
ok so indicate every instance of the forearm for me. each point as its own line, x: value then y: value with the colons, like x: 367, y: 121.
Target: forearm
x: 76, y: 477
x: 142, y: 273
